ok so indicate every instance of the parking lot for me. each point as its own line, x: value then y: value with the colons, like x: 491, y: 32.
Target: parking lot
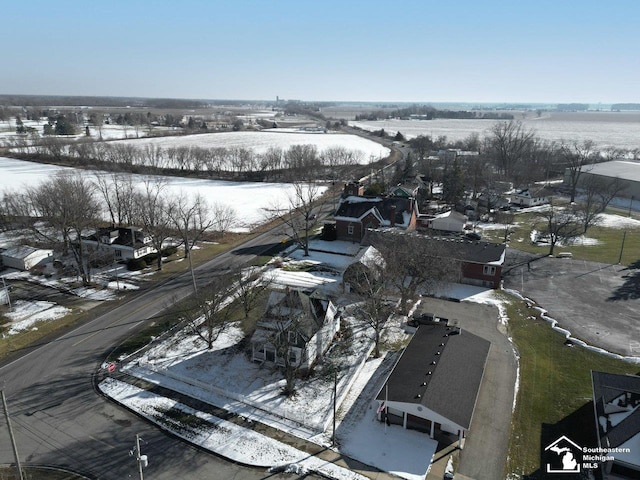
x: 596, y: 302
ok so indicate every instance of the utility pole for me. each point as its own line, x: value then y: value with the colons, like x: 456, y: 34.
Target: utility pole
x: 335, y: 392
x: 13, y: 440
x: 6, y: 291
x: 624, y: 237
x: 142, y: 460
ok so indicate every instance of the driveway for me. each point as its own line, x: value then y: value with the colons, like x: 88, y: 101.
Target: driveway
x: 485, y: 449
x: 596, y: 302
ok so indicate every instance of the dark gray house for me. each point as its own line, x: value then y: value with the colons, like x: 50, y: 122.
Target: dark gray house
x: 435, y: 383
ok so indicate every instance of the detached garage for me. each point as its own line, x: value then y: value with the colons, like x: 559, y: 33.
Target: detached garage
x: 25, y: 257
x: 434, y: 386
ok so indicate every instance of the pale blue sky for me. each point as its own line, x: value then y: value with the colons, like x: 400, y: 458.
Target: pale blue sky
x: 365, y: 50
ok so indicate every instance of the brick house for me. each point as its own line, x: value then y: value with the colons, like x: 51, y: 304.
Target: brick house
x: 357, y: 214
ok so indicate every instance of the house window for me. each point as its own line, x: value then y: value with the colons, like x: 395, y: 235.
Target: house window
x: 293, y: 357
x: 350, y: 229
x: 293, y: 338
x: 489, y: 270
x: 118, y: 253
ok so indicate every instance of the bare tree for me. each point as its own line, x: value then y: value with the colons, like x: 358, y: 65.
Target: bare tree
x: 223, y: 217
x: 560, y: 225
x: 68, y: 207
x: 155, y: 214
x: 509, y: 143
x: 374, y: 311
x: 416, y: 263
x: 251, y: 285
x: 596, y: 195
x: 577, y: 156
x: 210, y: 314
x: 299, y: 214
x: 118, y: 193
x: 192, y: 219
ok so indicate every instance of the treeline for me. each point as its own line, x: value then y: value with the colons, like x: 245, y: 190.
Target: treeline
x: 74, y: 101
x: 298, y: 162
x: 426, y: 112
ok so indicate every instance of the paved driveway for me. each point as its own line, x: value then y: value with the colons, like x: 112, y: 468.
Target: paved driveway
x: 596, y: 302
x: 485, y: 450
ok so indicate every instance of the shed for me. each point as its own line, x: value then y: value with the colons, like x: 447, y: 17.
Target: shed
x: 25, y: 257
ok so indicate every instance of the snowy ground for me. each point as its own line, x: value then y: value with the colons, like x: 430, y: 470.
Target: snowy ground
x: 107, y: 132
x: 249, y: 199
x: 225, y: 377
x: 24, y: 315
x: 259, y: 142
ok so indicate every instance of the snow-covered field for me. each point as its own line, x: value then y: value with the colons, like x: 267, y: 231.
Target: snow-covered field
x: 106, y: 132
x: 604, y: 131
x: 249, y: 199
x: 259, y: 142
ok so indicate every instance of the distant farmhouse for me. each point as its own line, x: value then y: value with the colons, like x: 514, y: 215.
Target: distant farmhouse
x: 434, y: 385
x: 616, y: 403
x: 124, y: 242
x: 531, y: 197
x: 625, y: 171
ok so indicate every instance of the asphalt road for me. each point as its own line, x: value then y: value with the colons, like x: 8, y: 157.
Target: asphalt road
x: 59, y: 419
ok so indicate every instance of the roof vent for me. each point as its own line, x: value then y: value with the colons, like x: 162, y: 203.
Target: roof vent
x: 429, y: 372
x: 418, y: 396
x: 424, y: 384
x: 433, y: 362
x: 437, y: 353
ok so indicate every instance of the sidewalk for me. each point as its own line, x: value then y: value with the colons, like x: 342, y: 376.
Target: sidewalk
x: 324, y: 454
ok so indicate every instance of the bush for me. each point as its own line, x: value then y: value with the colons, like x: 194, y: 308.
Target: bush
x: 168, y: 251
x: 134, y: 264
x: 149, y: 259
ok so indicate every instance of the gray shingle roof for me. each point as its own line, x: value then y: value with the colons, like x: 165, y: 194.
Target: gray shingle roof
x: 606, y: 388
x: 455, y: 359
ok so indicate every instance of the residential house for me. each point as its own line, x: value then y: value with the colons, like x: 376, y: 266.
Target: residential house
x: 124, y: 242
x: 308, y: 319
x: 357, y: 214
x: 616, y: 404
x: 480, y: 262
x: 24, y: 257
x: 435, y: 383
x: 531, y: 197
x: 451, y: 221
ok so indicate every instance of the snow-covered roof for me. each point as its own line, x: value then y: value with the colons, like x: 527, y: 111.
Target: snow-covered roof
x: 24, y: 251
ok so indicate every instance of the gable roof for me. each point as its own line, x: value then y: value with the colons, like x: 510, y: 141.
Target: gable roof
x: 622, y: 394
x: 22, y: 252
x: 308, y: 308
x: 459, y: 248
x: 356, y: 208
x: 450, y: 361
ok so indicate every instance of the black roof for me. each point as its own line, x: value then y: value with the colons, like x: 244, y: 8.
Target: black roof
x: 607, y: 387
x: 457, y: 246
x: 441, y: 369
x: 384, y: 206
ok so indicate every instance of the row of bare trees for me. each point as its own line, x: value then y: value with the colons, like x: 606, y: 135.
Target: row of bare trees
x: 67, y: 207
x: 298, y: 162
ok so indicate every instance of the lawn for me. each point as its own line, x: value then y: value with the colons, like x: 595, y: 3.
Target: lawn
x: 605, y: 250
x: 555, y: 393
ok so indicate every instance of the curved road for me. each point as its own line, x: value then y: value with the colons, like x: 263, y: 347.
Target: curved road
x: 59, y: 419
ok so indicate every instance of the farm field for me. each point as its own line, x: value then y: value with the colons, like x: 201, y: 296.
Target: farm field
x: 249, y: 199
x: 605, y: 129
x: 260, y: 142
